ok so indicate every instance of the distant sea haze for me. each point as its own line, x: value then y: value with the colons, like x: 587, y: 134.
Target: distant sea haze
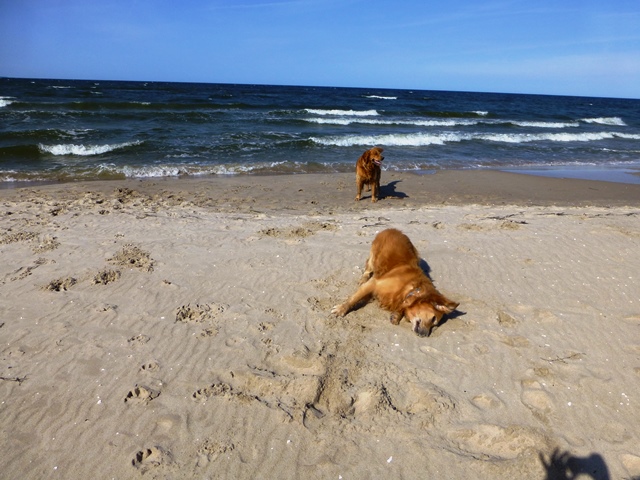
x: 57, y: 130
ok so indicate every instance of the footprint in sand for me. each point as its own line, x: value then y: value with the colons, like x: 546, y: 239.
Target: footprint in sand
x: 199, y: 313
x: 150, y: 367
x: 209, y: 450
x: 141, y: 395
x: 105, y: 277
x: 506, y: 320
x: 305, y: 362
x: 208, y: 332
x: 535, y: 397
x: 61, y: 284
x: 214, y: 390
x: 486, y: 402
x: 133, y: 256
x: 106, y: 307
x: 149, y: 458
x: 495, y: 442
x: 138, y: 340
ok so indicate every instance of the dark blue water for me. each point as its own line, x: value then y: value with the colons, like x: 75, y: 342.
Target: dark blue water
x: 63, y: 130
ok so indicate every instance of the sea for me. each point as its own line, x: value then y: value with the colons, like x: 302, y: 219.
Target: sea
x: 69, y: 130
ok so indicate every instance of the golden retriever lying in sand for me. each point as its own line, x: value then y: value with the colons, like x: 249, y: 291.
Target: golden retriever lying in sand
x: 394, y: 277
x: 368, y: 172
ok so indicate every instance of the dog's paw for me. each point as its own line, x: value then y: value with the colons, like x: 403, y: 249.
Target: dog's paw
x: 340, y: 310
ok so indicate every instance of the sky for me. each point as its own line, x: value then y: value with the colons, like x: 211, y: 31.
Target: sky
x: 558, y: 47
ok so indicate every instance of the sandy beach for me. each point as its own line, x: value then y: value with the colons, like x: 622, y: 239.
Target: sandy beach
x: 181, y: 328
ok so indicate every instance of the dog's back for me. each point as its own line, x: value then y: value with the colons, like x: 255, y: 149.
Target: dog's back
x: 390, y: 249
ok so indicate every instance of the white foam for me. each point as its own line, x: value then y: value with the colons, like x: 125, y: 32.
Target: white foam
x: 628, y: 136
x: 83, y: 150
x: 78, y: 132
x: 352, y: 113
x: 158, y: 171
x: 613, y: 121
x: 545, y: 124
x: 441, y: 138
x: 5, y: 101
x: 381, y: 98
x: 404, y: 140
x: 448, y: 122
x: 367, y: 121
x: 152, y: 171
x: 553, y: 137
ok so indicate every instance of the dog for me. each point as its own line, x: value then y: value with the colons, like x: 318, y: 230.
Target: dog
x: 368, y: 172
x: 393, y: 276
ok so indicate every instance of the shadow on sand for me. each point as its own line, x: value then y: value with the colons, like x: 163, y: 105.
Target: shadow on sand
x: 565, y: 466
x: 389, y: 191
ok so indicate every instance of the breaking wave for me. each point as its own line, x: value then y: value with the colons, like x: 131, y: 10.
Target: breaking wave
x: 355, y: 113
x: 5, y: 101
x: 424, y: 139
x: 84, y: 150
x: 612, y: 121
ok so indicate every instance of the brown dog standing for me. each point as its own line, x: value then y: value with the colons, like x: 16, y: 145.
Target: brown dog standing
x: 368, y: 172
x: 393, y: 276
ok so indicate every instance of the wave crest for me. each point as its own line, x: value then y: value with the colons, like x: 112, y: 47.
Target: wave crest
x: 613, y: 121
x: 5, y: 101
x: 425, y: 139
x: 381, y: 97
x: 343, y: 113
x: 84, y: 150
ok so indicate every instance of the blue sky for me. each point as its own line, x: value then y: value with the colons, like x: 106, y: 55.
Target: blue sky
x: 572, y: 47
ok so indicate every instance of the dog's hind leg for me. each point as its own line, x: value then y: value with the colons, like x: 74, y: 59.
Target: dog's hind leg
x: 368, y: 271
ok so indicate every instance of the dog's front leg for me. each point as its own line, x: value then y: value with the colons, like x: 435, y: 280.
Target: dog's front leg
x: 375, y: 191
x: 362, y: 296
x: 396, y: 317
x: 359, y: 187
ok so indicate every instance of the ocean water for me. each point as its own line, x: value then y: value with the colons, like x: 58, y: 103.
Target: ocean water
x: 64, y: 130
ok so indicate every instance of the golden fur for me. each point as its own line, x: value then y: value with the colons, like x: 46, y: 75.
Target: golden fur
x: 368, y: 172
x: 393, y: 276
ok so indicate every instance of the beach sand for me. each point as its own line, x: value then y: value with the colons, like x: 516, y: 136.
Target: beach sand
x: 182, y: 329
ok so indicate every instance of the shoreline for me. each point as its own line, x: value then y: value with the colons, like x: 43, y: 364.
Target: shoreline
x: 336, y: 190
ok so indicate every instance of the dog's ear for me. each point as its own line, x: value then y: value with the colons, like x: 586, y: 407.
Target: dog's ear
x: 445, y: 305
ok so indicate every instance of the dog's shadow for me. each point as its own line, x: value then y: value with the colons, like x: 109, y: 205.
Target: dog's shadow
x: 450, y: 316
x: 389, y: 190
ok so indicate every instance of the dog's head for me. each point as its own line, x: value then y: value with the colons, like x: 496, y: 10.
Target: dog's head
x: 374, y: 155
x: 426, y: 313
